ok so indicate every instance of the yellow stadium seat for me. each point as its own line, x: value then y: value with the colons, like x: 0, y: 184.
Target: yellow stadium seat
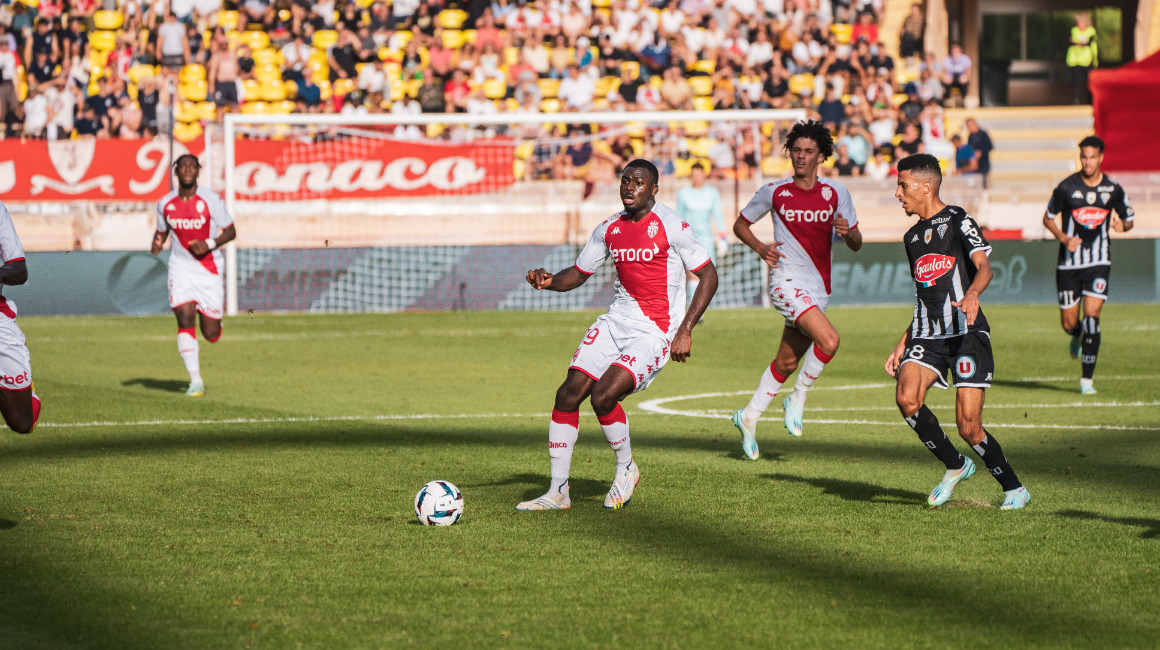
x: 603, y: 4
x: 267, y: 56
x: 843, y: 31
x: 494, y: 89
x: 706, y: 66
x: 187, y: 132
x: 291, y: 88
x: 633, y: 68
x: 325, y: 39
x: 433, y: 130
x: 683, y: 167
x: 453, y: 39
x: 206, y: 111
x: 256, y: 40
x: 511, y: 55
x: 267, y: 72
x: 250, y: 91
x: 110, y: 20
x: 103, y: 40
x: 451, y: 18
x: 227, y: 19
x: 254, y: 108
x: 343, y: 87
x: 605, y: 85
x: 519, y: 168
x: 187, y: 112
x: 192, y: 72
x: 635, y: 129
x: 194, y: 91
x: 525, y: 149
x: 99, y: 58
x: 469, y: 36
x: 284, y: 15
x: 325, y: 90
x: 139, y: 71
x: 404, y: 37
x: 702, y: 86
x: 549, y: 88
x: 700, y: 147
x: 801, y: 82
x: 284, y: 107
x: 551, y: 105
x: 272, y: 91
x: 702, y: 103
x: 656, y: 81
x: 695, y: 129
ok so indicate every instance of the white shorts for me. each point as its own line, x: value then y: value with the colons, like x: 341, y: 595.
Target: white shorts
x: 613, y: 342
x: 198, y: 286
x: 15, y: 364
x: 792, y: 298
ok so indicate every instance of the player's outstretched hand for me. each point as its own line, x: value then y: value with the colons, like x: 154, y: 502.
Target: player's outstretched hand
x: 198, y: 247
x: 969, y: 306
x: 841, y: 225
x: 682, y: 346
x: 771, y: 255
x: 893, y: 361
x: 540, y: 278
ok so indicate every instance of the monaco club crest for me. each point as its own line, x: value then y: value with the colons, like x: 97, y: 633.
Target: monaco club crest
x: 653, y: 228
x: 71, y: 159
x: 826, y: 192
x: 931, y: 267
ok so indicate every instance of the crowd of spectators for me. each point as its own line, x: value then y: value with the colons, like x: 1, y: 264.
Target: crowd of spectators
x: 79, y: 77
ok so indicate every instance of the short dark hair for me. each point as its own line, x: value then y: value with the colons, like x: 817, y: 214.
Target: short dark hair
x: 815, y: 131
x: 1092, y: 141
x: 183, y: 157
x: 697, y: 165
x: 923, y: 163
x: 653, y: 174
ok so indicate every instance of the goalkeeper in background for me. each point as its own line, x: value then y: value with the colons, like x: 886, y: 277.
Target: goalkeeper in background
x: 699, y: 205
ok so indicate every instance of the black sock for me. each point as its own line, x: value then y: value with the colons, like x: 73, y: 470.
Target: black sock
x: 925, y: 424
x: 996, y: 462
x: 1074, y: 332
x: 1089, y: 346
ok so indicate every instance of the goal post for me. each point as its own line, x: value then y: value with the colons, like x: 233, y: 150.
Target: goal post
x: 389, y: 212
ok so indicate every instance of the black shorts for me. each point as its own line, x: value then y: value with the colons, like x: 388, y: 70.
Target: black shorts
x: 225, y: 93
x: 174, y: 61
x: 1088, y: 281
x: 968, y: 357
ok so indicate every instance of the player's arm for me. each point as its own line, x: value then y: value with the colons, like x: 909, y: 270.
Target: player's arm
x: 849, y: 234
x: 200, y: 247
x: 1072, y: 243
x: 970, y: 302
x: 744, y: 231
x: 895, y: 359
x: 707, y: 286
x: 1123, y: 208
x: 565, y: 280
x: 159, y: 237
x: 14, y: 273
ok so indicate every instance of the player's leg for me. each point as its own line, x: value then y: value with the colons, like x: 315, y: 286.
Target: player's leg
x: 816, y: 327
x: 187, y: 347
x: 18, y: 403
x: 1068, y: 290
x: 211, y: 328
x: 920, y: 370
x: 969, y: 416
x: 1090, y: 342
x: 616, y: 383
x: 791, y: 348
x: 563, y: 432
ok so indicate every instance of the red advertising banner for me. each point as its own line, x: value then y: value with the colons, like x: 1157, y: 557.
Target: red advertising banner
x: 136, y: 170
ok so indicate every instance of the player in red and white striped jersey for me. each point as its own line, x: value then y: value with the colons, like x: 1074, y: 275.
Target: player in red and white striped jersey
x: 646, y: 326
x: 195, y: 216
x: 809, y: 214
x: 18, y: 403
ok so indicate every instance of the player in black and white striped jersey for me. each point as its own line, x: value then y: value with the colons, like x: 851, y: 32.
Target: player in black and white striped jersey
x: 1086, y: 200
x: 948, y: 257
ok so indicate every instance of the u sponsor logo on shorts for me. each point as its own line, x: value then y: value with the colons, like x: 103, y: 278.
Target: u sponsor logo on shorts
x: 965, y: 367
x: 1100, y: 285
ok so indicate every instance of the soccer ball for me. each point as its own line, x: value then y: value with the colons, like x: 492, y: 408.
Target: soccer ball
x: 438, y: 503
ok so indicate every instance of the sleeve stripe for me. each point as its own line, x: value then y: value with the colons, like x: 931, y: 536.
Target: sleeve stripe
x: 742, y: 215
x: 583, y: 271
x: 14, y: 259
x: 707, y: 263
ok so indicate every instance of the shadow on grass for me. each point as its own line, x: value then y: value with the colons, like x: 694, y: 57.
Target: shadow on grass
x: 167, y: 385
x: 855, y: 490
x: 1038, y: 385
x: 7, y: 524
x: 538, y: 483
x: 1151, y: 526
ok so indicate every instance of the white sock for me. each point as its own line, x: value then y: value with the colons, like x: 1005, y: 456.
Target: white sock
x: 615, y: 427
x: 813, y: 363
x: 187, y: 348
x: 690, y: 289
x: 766, y: 390
x: 563, y: 431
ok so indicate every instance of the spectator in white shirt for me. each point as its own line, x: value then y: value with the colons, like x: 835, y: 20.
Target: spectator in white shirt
x: 760, y: 50
x: 407, y: 106
x: 577, y: 90
x: 35, y: 113
x: 372, y: 78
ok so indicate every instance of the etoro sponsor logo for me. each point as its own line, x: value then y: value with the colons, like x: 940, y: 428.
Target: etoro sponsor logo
x: 931, y: 267
x: 634, y: 254
x: 806, y: 216
x: 186, y: 224
x: 1089, y: 217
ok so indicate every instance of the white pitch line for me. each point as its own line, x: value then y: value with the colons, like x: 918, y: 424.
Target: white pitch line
x: 337, y: 418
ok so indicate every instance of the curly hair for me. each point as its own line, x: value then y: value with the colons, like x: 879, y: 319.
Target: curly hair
x: 1092, y: 141
x: 811, y: 130
x: 649, y: 168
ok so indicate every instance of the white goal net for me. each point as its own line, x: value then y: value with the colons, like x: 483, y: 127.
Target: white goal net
x: 385, y: 212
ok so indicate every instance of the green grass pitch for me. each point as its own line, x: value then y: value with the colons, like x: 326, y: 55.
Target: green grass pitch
x: 276, y: 511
